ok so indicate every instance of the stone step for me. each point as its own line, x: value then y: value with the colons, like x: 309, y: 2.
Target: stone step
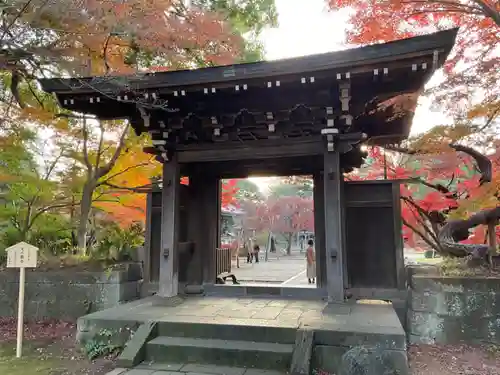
x: 182, y: 369
x: 241, y: 332
x: 263, y: 355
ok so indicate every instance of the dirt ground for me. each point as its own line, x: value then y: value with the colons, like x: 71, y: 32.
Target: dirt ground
x: 48, y: 349
x: 454, y: 360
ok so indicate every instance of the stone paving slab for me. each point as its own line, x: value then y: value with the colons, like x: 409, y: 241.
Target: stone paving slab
x: 254, y: 312
x: 190, y: 369
x: 138, y: 372
x: 117, y: 371
x: 339, y: 323
x: 360, y: 320
x: 290, y: 269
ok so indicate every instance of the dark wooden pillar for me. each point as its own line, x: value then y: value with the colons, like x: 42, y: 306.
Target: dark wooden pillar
x: 343, y: 228
x: 195, y: 227
x: 210, y: 212
x: 319, y: 229
x: 147, y: 239
x: 398, y: 236
x: 333, y: 227
x: 168, y: 281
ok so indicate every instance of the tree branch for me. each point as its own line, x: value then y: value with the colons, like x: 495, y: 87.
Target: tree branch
x: 99, y: 148
x: 50, y: 208
x: 19, y: 14
x: 14, y: 88
x: 53, y: 165
x: 421, y: 235
x: 490, y: 119
x: 85, y: 133
x: 103, y: 171
x: 35, y: 95
x: 489, y: 11
x: 445, y: 4
x: 425, y: 217
x: 105, y: 182
x: 104, y: 53
x: 483, y: 163
x: 136, y: 189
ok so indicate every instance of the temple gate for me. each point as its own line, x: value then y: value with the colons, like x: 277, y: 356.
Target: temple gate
x: 301, y: 116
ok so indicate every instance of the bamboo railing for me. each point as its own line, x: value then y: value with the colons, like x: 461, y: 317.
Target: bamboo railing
x: 223, y: 260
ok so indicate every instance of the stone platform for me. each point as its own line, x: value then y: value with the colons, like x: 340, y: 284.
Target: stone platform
x: 285, y: 335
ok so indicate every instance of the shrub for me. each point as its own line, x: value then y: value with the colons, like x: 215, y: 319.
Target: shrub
x: 8, y: 236
x: 52, y: 235
x: 457, y: 267
x: 116, y: 243
x: 429, y: 254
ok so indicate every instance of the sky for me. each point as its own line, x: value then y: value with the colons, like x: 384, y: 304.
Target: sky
x: 307, y: 27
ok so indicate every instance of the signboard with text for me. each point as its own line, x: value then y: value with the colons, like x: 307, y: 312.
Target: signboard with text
x: 22, y: 255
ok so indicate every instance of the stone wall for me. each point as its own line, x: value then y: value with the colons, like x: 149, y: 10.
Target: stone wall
x: 453, y: 309
x: 68, y: 294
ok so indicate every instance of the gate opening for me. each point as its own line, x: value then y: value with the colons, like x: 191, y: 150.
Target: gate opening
x: 267, y: 232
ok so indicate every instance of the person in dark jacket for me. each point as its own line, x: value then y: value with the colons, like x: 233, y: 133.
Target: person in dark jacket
x: 256, y: 250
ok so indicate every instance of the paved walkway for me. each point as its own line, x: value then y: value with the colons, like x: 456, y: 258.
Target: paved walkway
x: 288, y: 270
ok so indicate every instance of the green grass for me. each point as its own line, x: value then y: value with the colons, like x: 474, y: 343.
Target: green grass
x: 421, y: 259
x: 424, y: 260
x: 31, y: 362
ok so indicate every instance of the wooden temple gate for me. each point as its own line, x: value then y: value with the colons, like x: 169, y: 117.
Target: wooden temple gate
x: 303, y: 116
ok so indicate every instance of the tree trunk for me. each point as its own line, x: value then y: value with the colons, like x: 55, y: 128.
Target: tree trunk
x: 85, y: 207
x: 492, y: 240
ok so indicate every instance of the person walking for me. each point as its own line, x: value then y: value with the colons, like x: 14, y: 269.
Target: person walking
x: 256, y: 250
x: 248, y: 246
x: 311, y: 263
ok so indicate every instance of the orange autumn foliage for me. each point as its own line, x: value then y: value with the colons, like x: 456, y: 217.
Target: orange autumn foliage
x: 127, y: 207
x: 473, y: 64
x: 97, y: 36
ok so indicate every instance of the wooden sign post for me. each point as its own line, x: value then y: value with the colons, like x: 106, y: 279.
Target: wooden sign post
x: 22, y: 256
